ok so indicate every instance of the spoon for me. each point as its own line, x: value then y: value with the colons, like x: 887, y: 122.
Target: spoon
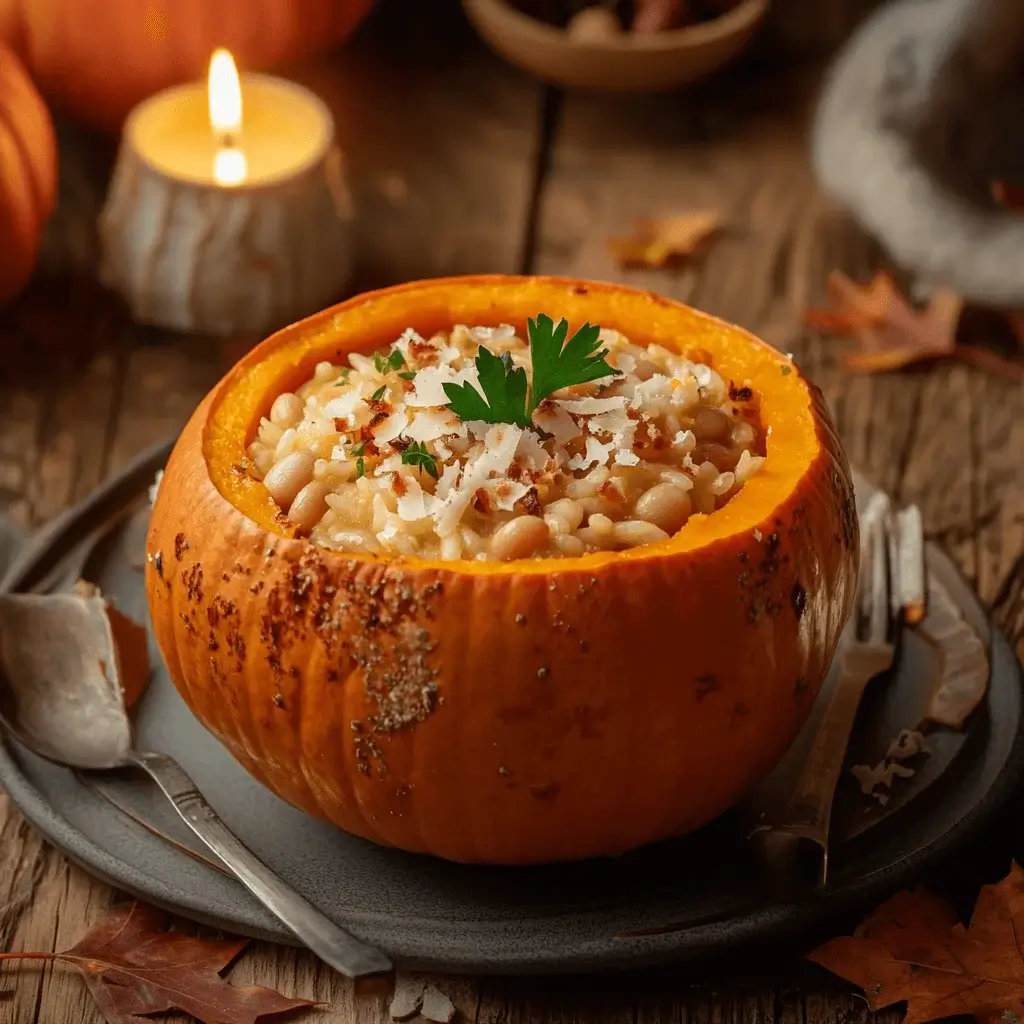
x: 60, y: 697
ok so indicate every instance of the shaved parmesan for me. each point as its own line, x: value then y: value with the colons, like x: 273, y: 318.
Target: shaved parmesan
x: 596, y: 454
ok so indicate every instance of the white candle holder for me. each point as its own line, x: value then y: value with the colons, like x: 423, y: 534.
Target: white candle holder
x: 193, y: 254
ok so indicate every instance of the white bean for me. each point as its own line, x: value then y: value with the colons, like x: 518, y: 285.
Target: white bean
x: 571, y: 547
x: 601, y: 525
x: 665, y: 506
x: 289, y: 476
x: 356, y: 541
x: 286, y: 410
x: 309, y: 506
x: 593, y: 539
x: 569, y: 511
x: 634, y: 532
x: 711, y: 424
x: 519, y: 538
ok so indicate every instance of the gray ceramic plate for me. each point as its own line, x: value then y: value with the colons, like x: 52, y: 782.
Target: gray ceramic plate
x: 678, y: 899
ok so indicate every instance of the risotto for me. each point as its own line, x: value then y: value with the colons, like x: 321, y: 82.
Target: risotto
x: 372, y: 457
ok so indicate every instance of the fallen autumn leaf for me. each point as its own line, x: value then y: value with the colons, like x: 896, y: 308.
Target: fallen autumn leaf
x: 133, y: 966
x: 893, y: 333
x: 911, y: 949
x: 658, y: 241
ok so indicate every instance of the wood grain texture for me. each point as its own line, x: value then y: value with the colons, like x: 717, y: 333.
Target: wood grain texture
x: 449, y: 184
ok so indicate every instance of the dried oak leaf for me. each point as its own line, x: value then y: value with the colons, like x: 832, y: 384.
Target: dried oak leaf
x: 893, y: 334
x: 911, y: 949
x: 659, y: 241
x: 133, y: 966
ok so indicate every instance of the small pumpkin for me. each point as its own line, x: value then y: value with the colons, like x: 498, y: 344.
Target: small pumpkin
x: 519, y: 712
x: 97, y: 60
x: 28, y: 173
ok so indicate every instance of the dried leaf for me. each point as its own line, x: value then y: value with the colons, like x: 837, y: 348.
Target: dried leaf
x: 437, y: 1007
x: 133, y: 966
x: 892, y: 333
x: 408, y: 997
x: 912, y: 950
x: 658, y: 241
x: 70, y: 665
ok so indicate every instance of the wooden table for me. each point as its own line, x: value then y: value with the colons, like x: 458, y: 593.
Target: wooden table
x: 460, y: 165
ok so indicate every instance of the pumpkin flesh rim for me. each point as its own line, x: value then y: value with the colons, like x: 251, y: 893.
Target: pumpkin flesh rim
x: 373, y: 319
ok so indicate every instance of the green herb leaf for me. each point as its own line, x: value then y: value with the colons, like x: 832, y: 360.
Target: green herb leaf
x: 559, y: 364
x: 360, y: 467
x: 357, y: 449
x: 344, y: 376
x: 379, y: 393
x: 787, y: 370
x: 407, y: 374
x: 504, y: 392
x: 378, y: 362
x: 417, y: 455
x: 395, y: 361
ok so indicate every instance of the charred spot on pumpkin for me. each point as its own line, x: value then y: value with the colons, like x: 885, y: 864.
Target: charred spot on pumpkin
x: 212, y: 644
x: 180, y: 546
x: 158, y: 564
x: 798, y: 598
x: 236, y: 646
x: 800, y: 689
x: 186, y: 619
x: 706, y: 684
x: 193, y: 580
x: 579, y: 289
x: 368, y: 754
x: 279, y: 701
x: 546, y: 791
x: 216, y: 672
x: 741, y: 394
x: 504, y: 772
x: 403, y: 789
x: 332, y: 675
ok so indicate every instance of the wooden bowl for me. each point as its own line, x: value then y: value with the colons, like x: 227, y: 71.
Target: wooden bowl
x: 626, y: 63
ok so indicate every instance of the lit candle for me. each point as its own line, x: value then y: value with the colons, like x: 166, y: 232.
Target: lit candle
x: 228, y: 211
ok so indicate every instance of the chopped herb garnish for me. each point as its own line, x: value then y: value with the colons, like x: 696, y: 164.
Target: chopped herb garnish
x: 557, y: 364
x: 360, y: 467
x: 395, y: 361
x: 379, y: 393
x: 417, y: 455
x: 407, y: 374
x: 344, y: 376
x: 357, y: 449
x: 786, y: 371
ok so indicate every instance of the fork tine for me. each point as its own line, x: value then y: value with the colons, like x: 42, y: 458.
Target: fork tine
x: 875, y: 570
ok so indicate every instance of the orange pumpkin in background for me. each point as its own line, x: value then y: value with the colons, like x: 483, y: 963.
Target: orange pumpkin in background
x: 98, y: 59
x: 28, y: 173
x: 505, y: 712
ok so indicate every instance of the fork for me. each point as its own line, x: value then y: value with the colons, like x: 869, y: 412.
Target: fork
x: 802, y: 827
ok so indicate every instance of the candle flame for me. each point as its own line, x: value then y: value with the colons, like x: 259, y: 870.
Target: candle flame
x: 229, y: 167
x: 225, y: 94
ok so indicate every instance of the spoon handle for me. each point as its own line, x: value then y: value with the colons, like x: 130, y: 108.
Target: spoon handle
x: 333, y: 945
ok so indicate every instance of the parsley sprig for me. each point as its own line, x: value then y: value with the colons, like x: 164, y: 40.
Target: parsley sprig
x: 418, y: 455
x: 385, y: 364
x: 557, y: 364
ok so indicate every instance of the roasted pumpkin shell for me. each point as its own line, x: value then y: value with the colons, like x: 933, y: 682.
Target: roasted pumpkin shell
x: 516, y: 712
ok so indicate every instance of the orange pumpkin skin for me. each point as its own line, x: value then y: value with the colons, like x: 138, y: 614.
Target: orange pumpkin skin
x: 28, y: 173
x: 97, y: 60
x: 509, y: 713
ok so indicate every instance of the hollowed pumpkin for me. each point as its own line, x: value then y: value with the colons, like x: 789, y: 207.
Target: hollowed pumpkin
x: 515, y: 712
